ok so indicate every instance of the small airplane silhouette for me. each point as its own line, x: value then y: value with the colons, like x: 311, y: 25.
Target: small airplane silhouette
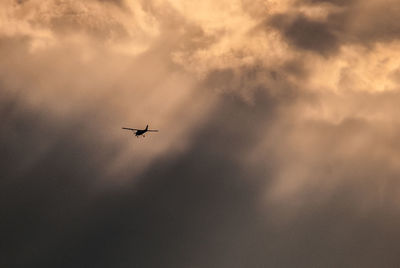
x: 141, y: 132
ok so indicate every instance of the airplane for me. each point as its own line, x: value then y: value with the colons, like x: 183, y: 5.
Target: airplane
x: 140, y: 132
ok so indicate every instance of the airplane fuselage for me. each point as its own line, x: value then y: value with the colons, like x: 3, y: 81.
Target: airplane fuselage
x: 140, y: 132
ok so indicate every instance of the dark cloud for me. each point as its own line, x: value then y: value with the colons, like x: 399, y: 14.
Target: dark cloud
x: 199, y: 208
x: 297, y: 68
x: 307, y: 34
x: 163, y: 219
x: 116, y: 2
x: 356, y: 22
x: 334, y: 2
x: 21, y: 1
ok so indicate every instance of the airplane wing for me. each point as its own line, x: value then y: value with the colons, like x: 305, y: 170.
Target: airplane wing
x: 130, y: 128
x: 152, y: 130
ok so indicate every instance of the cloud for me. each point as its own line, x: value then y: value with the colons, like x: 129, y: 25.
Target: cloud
x: 325, y: 29
x: 308, y: 34
x: 203, y: 207
x: 277, y: 144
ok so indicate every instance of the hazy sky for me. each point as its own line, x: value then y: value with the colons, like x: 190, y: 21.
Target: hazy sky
x: 279, y: 142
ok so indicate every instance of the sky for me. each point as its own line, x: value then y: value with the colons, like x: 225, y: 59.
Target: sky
x: 278, y: 144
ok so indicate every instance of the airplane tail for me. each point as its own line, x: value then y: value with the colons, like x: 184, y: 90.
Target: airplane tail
x: 147, y: 127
